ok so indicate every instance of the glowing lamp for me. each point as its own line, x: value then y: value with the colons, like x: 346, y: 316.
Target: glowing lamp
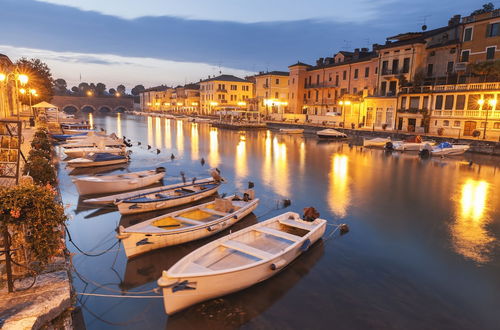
x: 3, y: 77
x: 23, y: 79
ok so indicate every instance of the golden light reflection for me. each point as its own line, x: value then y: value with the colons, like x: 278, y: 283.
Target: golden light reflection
x: 470, y: 236
x: 266, y: 168
x: 338, y: 183
x: 158, y: 132
x: 194, y: 142
x: 180, y: 137
x: 302, y: 154
x: 119, y: 125
x: 280, y: 168
x: 168, y: 134
x: 241, y: 167
x: 150, y: 130
x: 91, y: 121
x: 213, y: 156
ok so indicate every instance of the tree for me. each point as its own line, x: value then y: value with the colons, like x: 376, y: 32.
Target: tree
x: 60, y: 87
x: 75, y: 90
x: 489, y: 70
x: 100, y: 88
x: 487, y: 7
x: 112, y: 91
x: 137, y: 90
x: 84, y: 88
x: 121, y: 89
x: 40, y: 79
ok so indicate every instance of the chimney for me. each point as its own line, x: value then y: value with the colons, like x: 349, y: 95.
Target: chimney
x: 364, y: 49
x: 455, y: 20
x: 320, y: 61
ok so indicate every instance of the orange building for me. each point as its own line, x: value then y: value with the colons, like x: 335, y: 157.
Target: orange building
x: 481, y: 37
x: 271, y: 90
x: 224, y: 92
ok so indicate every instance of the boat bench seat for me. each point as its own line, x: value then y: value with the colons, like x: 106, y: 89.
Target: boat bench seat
x: 239, y: 246
x: 191, y: 221
x: 197, y: 268
x: 212, y: 211
x: 278, y: 233
x: 296, y: 224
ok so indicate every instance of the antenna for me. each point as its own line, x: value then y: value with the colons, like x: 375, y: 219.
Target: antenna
x: 423, y: 21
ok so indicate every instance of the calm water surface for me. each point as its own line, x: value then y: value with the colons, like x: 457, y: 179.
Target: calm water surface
x: 423, y: 250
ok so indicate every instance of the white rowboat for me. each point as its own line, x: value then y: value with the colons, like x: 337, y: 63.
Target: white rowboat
x: 376, y: 142
x: 331, y: 134
x: 101, y: 159
x: 444, y: 149
x: 102, y: 184
x: 292, y: 130
x: 82, y: 152
x: 237, y: 261
x: 185, y: 225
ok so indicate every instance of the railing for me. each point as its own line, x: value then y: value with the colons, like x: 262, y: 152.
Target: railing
x: 467, y: 113
x: 412, y: 110
x: 220, y: 90
x: 388, y: 72
x: 451, y: 88
x: 314, y: 85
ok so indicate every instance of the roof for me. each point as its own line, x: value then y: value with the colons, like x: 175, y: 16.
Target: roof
x: 298, y: 64
x: 346, y: 53
x: 447, y: 43
x: 409, y: 38
x: 44, y: 105
x: 368, y: 57
x: 226, y: 77
x: 273, y: 73
x: 5, y: 59
x: 156, y: 89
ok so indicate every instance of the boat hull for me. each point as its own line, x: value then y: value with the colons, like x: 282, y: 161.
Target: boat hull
x: 449, y: 152
x: 87, y: 187
x: 96, y: 164
x: 161, y: 240
x: 207, y: 286
x: 82, y: 152
x: 126, y: 207
x: 292, y: 130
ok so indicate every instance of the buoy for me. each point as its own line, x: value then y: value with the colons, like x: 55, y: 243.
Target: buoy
x: 251, y: 184
x: 470, y: 163
x: 202, y: 161
x: 194, y: 180
x: 149, y: 147
x: 172, y: 157
x: 287, y: 203
x: 139, y: 143
x: 344, y: 229
x: 158, y: 151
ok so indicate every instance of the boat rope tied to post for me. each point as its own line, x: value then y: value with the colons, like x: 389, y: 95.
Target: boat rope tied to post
x: 115, y: 295
x: 88, y: 254
x: 344, y: 229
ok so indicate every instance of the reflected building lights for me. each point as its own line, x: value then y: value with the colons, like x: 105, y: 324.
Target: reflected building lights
x: 280, y: 168
x: 302, y: 155
x: 150, y: 130
x: 338, y: 191
x: 469, y: 233
x: 158, y: 132
x: 119, y: 125
x: 180, y: 137
x: 213, y: 156
x: 91, y: 121
x: 266, y: 168
x: 194, y: 142
x: 241, y: 169
x: 168, y: 134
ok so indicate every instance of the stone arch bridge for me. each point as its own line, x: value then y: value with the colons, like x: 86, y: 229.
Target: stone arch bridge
x: 93, y: 104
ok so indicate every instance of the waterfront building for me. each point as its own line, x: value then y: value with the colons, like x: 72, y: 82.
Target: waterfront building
x: 224, y: 92
x: 481, y: 37
x: 9, y: 101
x: 186, y: 99
x: 151, y: 98
x: 271, y: 92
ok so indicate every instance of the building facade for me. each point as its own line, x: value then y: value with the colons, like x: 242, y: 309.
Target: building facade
x: 481, y: 38
x: 224, y: 92
x: 271, y: 92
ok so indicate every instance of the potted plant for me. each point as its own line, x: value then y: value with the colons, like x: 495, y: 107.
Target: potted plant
x: 440, y: 131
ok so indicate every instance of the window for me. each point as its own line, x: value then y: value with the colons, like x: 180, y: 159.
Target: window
x: 460, y: 105
x: 433, y: 53
x: 465, y: 55
x: 292, y: 96
x: 354, y: 90
x: 344, y: 75
x: 356, y: 72
x: 317, y: 95
x: 395, y: 65
x: 234, y: 87
x: 472, y: 101
x: 276, y: 95
x: 403, y: 102
x: 385, y: 65
x: 414, y: 102
x: 496, y: 125
x: 439, y: 102
x: 449, y: 67
x: 337, y: 80
x: 329, y: 77
x: 308, y: 94
x: 468, y: 34
x: 448, y: 102
x: 317, y: 79
x: 430, y: 67
x: 425, y: 103
x: 456, y: 123
x: 367, y: 72
x: 383, y: 87
x: 406, y: 65
x: 277, y: 81
x: 446, y: 123
x: 490, y: 53
x: 493, y: 30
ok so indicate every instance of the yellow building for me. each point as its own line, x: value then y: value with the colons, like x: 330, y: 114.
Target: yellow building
x: 153, y: 99
x: 224, y: 92
x: 481, y: 38
x: 271, y: 92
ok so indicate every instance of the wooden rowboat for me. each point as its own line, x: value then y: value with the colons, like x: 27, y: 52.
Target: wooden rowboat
x: 82, y: 152
x: 331, y: 134
x: 111, y: 199
x: 238, y: 260
x: 185, y: 225
x: 102, y: 184
x: 100, y: 159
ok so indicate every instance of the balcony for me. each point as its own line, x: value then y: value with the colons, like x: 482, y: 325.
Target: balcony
x: 413, y: 110
x: 266, y: 86
x: 467, y: 113
x: 387, y: 72
x: 451, y: 88
x: 220, y: 90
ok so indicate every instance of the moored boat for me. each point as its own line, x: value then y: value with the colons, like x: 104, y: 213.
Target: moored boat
x: 64, y: 137
x: 238, y: 260
x: 292, y: 130
x: 81, y: 152
x: 164, y: 198
x: 444, y: 149
x: 331, y: 134
x: 101, y: 184
x: 414, y: 143
x: 376, y: 142
x: 186, y: 225
x: 99, y: 159
x: 111, y: 199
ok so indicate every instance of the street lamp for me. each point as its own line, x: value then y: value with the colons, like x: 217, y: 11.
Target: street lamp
x: 492, y: 103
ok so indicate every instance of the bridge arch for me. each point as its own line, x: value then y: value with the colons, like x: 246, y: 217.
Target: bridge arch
x: 70, y: 109
x: 104, y: 109
x: 88, y: 108
x: 120, y: 109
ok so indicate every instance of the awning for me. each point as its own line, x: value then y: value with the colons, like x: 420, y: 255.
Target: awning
x: 44, y: 105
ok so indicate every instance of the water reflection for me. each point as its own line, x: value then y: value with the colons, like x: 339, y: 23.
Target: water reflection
x: 150, y: 130
x: 168, y: 134
x: 266, y: 164
x: 180, y: 137
x: 338, y: 187
x: 194, y: 142
x: 91, y: 120
x: 240, y: 165
x: 213, y: 156
x: 158, y: 132
x: 280, y: 167
x: 119, y: 125
x: 470, y: 236
x: 302, y: 155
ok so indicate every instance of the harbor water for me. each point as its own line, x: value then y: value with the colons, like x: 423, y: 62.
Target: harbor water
x: 422, y: 252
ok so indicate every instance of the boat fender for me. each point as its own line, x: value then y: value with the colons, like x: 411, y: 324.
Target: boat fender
x: 184, y: 285
x: 305, y: 246
x: 389, y: 146
x: 344, y: 229
x: 235, y: 216
x: 160, y: 169
x: 424, y: 153
x: 278, y: 264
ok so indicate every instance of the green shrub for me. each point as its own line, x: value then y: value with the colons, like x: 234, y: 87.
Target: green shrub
x: 41, y: 170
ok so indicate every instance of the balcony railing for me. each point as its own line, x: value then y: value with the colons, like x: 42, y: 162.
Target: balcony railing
x: 220, y: 90
x: 413, y: 110
x: 492, y: 114
x: 451, y: 88
x: 387, y: 72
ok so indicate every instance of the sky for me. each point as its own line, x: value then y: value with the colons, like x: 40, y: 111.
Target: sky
x: 154, y: 42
